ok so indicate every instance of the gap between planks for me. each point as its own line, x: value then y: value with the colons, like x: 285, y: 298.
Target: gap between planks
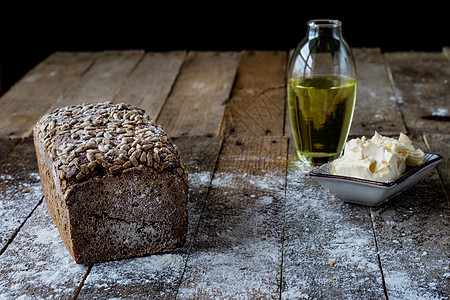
x: 19, y: 228
x: 200, y: 216
x: 242, y: 214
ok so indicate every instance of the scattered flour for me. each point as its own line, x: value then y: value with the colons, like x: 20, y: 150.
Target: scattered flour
x: 199, y: 179
x: 19, y: 195
x: 237, y: 250
x: 321, y: 228
x: 440, y: 111
x: 37, y: 257
x: 399, y: 96
x: 241, y: 256
x: 155, y: 276
x: 400, y: 285
x: 265, y: 182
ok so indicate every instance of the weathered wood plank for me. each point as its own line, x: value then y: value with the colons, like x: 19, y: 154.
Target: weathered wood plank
x: 287, y: 119
x: 150, y: 83
x: 199, y: 154
x: 103, y: 80
x: 375, y: 108
x: 6, y: 145
x: 37, y: 265
x: 237, y: 249
x: 197, y: 101
x: 257, y: 104
x: 422, y: 89
x: 158, y: 276
x: 413, y: 237
x: 440, y: 144
x: 329, y: 246
x: 25, y: 103
x: 20, y: 189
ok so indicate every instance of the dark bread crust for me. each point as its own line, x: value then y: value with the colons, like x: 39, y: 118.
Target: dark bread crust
x: 114, y: 214
x: 54, y: 197
x: 134, y: 214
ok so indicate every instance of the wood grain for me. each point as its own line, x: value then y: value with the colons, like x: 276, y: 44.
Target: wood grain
x: 287, y: 117
x: 329, y: 246
x: 237, y: 250
x: 376, y: 108
x: 20, y: 189
x: 6, y: 145
x: 25, y: 102
x: 257, y: 104
x: 197, y: 101
x: 422, y: 87
x: 151, y: 81
x: 103, y: 79
x: 200, y: 155
x: 440, y: 144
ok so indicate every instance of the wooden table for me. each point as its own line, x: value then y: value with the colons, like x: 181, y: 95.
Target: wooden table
x: 258, y: 226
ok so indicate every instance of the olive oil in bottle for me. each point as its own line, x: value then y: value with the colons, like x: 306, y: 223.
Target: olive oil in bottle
x: 321, y: 112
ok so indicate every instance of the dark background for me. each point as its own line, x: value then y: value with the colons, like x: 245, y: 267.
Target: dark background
x: 29, y: 34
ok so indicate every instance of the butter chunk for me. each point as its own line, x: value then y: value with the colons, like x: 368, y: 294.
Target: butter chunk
x: 404, y: 139
x: 379, y: 158
x: 353, y: 168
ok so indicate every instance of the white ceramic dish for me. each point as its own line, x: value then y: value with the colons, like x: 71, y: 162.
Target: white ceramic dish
x: 368, y: 192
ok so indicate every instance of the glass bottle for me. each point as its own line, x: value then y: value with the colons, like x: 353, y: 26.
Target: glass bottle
x: 321, y: 92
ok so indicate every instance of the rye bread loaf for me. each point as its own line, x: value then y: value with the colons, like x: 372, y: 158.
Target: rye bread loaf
x: 113, y: 181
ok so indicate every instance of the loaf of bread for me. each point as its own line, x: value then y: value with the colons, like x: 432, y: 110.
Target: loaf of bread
x: 113, y: 181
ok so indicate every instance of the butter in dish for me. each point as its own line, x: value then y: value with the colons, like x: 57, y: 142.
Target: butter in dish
x: 369, y: 192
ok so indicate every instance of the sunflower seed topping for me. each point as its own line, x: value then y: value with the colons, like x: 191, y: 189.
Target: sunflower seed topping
x: 134, y: 161
x: 85, y: 139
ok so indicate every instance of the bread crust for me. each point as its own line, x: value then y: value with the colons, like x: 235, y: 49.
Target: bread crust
x: 104, y: 210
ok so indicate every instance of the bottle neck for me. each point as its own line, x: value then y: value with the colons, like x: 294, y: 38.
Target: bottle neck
x: 324, y: 28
